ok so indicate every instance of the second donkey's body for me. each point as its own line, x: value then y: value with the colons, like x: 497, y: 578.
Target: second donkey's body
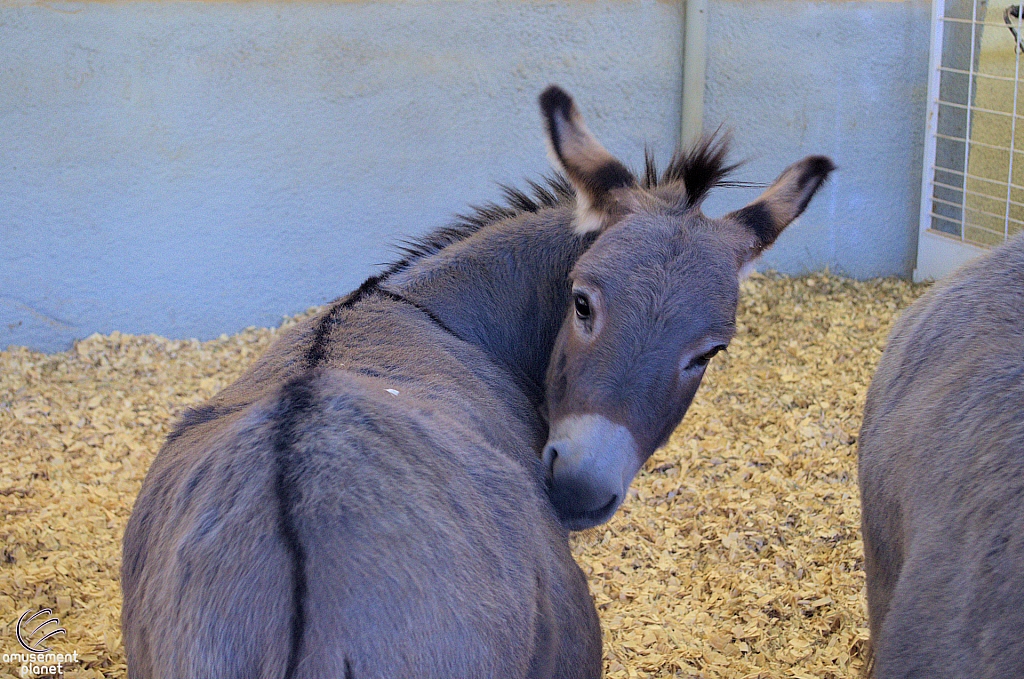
x: 942, y: 480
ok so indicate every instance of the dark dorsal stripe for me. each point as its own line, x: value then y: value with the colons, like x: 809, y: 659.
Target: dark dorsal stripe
x: 700, y: 169
x: 701, y: 172
x: 317, y: 351
x: 315, y: 354
x: 296, y: 402
x: 297, y: 399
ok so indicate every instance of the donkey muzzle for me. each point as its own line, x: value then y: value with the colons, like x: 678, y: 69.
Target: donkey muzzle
x: 590, y: 462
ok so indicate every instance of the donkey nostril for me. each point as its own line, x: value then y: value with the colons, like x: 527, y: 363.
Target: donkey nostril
x: 548, y: 458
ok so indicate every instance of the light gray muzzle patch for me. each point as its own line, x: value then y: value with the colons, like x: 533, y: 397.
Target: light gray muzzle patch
x: 590, y: 462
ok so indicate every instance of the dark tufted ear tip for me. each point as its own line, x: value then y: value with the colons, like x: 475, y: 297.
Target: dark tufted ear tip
x: 784, y: 200
x: 555, y: 99
x: 815, y: 171
x: 820, y: 165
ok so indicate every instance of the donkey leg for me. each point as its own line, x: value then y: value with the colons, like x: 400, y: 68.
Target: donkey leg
x: 881, y: 515
x: 883, y: 559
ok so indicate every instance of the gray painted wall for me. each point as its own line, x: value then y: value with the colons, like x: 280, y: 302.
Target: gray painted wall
x: 191, y: 168
x: 847, y: 79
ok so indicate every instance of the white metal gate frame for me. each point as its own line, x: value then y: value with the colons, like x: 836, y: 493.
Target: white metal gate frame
x: 939, y: 253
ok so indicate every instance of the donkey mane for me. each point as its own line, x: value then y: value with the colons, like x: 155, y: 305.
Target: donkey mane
x: 551, y: 191
x: 700, y: 169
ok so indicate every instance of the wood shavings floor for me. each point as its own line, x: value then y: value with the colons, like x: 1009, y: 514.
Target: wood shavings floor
x: 737, y: 555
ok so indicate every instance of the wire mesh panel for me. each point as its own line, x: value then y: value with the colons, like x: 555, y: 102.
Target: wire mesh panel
x: 974, y: 154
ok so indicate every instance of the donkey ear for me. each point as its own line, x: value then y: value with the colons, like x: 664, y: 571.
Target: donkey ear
x: 783, y: 202
x: 593, y: 172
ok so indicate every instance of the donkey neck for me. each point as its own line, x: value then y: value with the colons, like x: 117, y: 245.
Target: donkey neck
x: 505, y: 289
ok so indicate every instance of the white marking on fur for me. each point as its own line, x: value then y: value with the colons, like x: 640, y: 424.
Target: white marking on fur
x: 553, y: 158
x: 587, y: 219
x: 393, y: 392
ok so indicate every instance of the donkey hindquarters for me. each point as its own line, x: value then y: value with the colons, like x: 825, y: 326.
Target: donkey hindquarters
x: 942, y: 480
x: 308, y: 523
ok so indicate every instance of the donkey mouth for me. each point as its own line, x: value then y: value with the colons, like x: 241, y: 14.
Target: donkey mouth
x: 590, y: 462
x: 590, y: 518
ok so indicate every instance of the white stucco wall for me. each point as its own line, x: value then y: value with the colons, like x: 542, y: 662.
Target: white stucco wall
x: 846, y: 79
x: 191, y: 168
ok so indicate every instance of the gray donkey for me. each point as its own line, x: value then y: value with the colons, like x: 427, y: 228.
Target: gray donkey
x: 942, y: 480
x: 373, y: 498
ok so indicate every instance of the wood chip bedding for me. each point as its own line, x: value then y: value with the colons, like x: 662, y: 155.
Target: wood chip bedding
x: 737, y: 554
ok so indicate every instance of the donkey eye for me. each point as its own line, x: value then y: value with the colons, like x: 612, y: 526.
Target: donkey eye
x: 582, y: 305
x: 705, y: 358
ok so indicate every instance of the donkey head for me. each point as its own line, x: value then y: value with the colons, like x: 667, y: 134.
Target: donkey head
x: 654, y: 299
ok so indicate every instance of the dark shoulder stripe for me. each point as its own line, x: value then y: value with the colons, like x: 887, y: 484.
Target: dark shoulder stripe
x: 317, y: 351
x: 422, y: 309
